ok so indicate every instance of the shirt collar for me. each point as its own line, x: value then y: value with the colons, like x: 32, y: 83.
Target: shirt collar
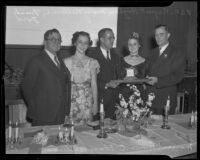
x: 104, y: 51
x: 51, y: 55
x: 163, y: 48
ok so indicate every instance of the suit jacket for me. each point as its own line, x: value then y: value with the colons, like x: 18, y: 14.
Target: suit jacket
x: 109, y: 70
x: 169, y: 68
x: 46, y: 88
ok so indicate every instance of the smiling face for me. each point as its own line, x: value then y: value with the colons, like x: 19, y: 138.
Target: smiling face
x: 107, y: 40
x: 53, y: 42
x: 133, y: 46
x: 82, y: 43
x: 161, y: 36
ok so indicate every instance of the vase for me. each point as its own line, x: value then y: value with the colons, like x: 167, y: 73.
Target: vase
x: 136, y: 125
x: 121, y: 126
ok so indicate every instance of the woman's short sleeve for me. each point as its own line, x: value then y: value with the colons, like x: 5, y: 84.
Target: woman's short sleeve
x: 95, y: 65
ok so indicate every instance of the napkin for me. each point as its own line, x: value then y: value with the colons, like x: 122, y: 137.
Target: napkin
x: 35, y: 148
x: 143, y: 141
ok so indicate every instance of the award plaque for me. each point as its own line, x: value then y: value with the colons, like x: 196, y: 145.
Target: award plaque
x: 130, y: 72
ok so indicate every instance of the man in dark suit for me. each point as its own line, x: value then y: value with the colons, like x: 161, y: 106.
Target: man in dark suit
x: 165, y: 70
x: 109, y: 62
x: 46, y: 86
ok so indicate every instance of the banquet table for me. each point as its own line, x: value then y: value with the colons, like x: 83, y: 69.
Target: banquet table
x: 179, y: 140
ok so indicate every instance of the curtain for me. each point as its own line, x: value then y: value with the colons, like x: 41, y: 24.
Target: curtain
x: 181, y: 17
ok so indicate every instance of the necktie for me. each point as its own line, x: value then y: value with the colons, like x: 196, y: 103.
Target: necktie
x: 57, y: 62
x: 160, y: 50
x: 108, y: 58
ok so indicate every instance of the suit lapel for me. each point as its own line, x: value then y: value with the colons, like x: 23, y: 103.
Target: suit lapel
x: 104, y: 60
x: 113, y: 57
x: 50, y: 63
x: 161, y: 58
x: 101, y: 56
x: 64, y: 69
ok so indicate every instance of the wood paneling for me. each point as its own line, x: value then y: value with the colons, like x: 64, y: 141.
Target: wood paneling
x: 18, y: 55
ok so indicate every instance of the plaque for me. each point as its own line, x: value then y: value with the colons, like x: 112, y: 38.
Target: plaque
x: 130, y: 72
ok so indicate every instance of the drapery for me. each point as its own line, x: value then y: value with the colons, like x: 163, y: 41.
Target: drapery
x: 181, y: 17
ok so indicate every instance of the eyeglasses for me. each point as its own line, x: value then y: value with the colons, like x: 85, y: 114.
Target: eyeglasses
x: 109, y: 38
x: 55, y: 40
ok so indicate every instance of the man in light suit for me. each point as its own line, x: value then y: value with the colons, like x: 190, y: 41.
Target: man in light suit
x: 109, y: 63
x: 165, y: 71
x: 46, y: 86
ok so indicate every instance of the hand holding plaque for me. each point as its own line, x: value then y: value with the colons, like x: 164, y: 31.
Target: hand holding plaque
x: 112, y: 84
x: 115, y: 83
x: 129, y: 79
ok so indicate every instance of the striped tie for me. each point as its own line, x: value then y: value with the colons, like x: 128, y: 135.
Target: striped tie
x: 108, y: 58
x: 57, y: 62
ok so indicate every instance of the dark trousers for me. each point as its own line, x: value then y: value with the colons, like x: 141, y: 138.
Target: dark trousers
x: 160, y: 100
x: 109, y: 97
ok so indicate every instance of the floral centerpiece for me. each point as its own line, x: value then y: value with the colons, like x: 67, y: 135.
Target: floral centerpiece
x: 134, y: 113
x: 12, y: 76
x: 12, y: 81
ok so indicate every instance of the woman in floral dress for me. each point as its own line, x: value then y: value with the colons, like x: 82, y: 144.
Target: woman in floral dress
x: 83, y: 71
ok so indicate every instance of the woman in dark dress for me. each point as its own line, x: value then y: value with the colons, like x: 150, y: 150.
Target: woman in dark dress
x: 136, y: 62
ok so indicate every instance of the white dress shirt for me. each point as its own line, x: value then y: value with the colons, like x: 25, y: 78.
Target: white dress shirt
x: 105, y: 53
x: 51, y: 56
x: 162, y: 49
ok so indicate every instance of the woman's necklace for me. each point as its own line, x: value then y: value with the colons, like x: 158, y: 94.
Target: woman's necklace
x: 80, y: 61
x: 134, y: 60
x: 134, y: 55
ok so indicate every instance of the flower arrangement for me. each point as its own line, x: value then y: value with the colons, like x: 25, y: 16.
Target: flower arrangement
x: 135, y: 112
x: 13, y: 76
x: 41, y: 138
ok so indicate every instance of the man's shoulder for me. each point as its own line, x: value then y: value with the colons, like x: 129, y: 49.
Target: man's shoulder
x: 94, y: 52
x: 174, y: 48
x: 153, y: 50
x: 152, y: 54
x: 115, y: 53
x: 177, y: 51
x: 38, y: 57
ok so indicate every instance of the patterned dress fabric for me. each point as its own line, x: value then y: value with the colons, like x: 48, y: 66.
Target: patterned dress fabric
x: 81, y: 91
